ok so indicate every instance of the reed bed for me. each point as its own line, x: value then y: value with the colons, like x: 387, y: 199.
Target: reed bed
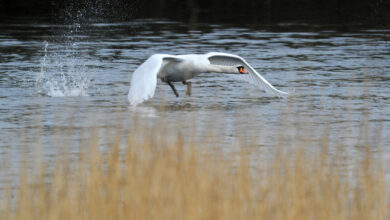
x: 149, y: 178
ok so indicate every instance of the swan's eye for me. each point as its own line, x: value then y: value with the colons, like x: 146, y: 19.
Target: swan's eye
x: 242, y: 70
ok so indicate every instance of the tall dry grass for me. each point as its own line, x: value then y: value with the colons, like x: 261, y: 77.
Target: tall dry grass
x: 142, y: 178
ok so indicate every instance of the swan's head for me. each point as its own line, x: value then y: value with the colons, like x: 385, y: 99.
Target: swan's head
x: 242, y: 70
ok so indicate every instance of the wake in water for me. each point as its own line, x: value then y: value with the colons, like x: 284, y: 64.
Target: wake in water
x: 62, y: 73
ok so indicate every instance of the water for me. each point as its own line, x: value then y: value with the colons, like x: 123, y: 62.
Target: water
x: 64, y: 79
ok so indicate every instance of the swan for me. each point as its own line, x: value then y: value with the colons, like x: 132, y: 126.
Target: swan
x: 180, y: 68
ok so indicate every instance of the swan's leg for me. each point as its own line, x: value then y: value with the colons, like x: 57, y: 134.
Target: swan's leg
x: 173, y: 88
x: 189, y: 87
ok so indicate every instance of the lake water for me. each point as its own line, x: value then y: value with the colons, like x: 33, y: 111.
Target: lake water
x: 55, y: 77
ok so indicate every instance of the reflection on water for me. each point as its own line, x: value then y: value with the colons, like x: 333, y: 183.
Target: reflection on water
x: 336, y: 76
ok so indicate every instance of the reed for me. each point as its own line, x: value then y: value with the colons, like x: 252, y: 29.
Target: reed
x: 149, y: 178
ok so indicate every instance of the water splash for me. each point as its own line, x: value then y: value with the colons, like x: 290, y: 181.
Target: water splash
x: 62, y: 72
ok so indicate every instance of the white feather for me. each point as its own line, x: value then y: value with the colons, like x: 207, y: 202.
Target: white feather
x: 144, y: 80
x: 183, y: 67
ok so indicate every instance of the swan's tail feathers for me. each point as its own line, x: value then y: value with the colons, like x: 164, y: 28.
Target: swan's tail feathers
x: 144, y: 80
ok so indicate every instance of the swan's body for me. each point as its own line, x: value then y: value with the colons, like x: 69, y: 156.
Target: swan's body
x: 180, y: 68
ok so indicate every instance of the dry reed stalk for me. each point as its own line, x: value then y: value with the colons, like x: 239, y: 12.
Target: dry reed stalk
x: 158, y: 179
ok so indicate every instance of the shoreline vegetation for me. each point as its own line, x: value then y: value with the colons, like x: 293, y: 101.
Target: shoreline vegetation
x: 145, y: 170
x: 148, y: 176
x: 248, y: 11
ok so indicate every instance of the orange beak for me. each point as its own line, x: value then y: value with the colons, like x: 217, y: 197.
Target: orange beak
x: 243, y: 71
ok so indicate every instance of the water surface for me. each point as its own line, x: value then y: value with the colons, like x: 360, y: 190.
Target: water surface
x: 55, y: 77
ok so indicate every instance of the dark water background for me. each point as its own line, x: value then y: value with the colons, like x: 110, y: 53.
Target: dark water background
x: 374, y: 12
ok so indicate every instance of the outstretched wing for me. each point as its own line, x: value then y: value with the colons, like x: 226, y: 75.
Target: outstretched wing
x: 144, y: 80
x: 252, y: 77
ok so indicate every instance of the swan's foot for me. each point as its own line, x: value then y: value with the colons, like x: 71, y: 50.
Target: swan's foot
x: 173, y: 88
x: 189, y: 87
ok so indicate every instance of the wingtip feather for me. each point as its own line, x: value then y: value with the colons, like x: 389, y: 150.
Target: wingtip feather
x: 144, y: 80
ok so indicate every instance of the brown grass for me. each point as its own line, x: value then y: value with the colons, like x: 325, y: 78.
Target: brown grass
x: 144, y: 178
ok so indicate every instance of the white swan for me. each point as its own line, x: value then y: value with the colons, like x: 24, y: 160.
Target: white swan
x: 180, y: 68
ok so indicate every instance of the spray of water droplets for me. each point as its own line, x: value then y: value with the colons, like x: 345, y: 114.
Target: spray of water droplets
x: 62, y: 72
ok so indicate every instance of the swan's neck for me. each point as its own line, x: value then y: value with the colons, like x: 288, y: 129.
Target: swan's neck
x: 221, y: 69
